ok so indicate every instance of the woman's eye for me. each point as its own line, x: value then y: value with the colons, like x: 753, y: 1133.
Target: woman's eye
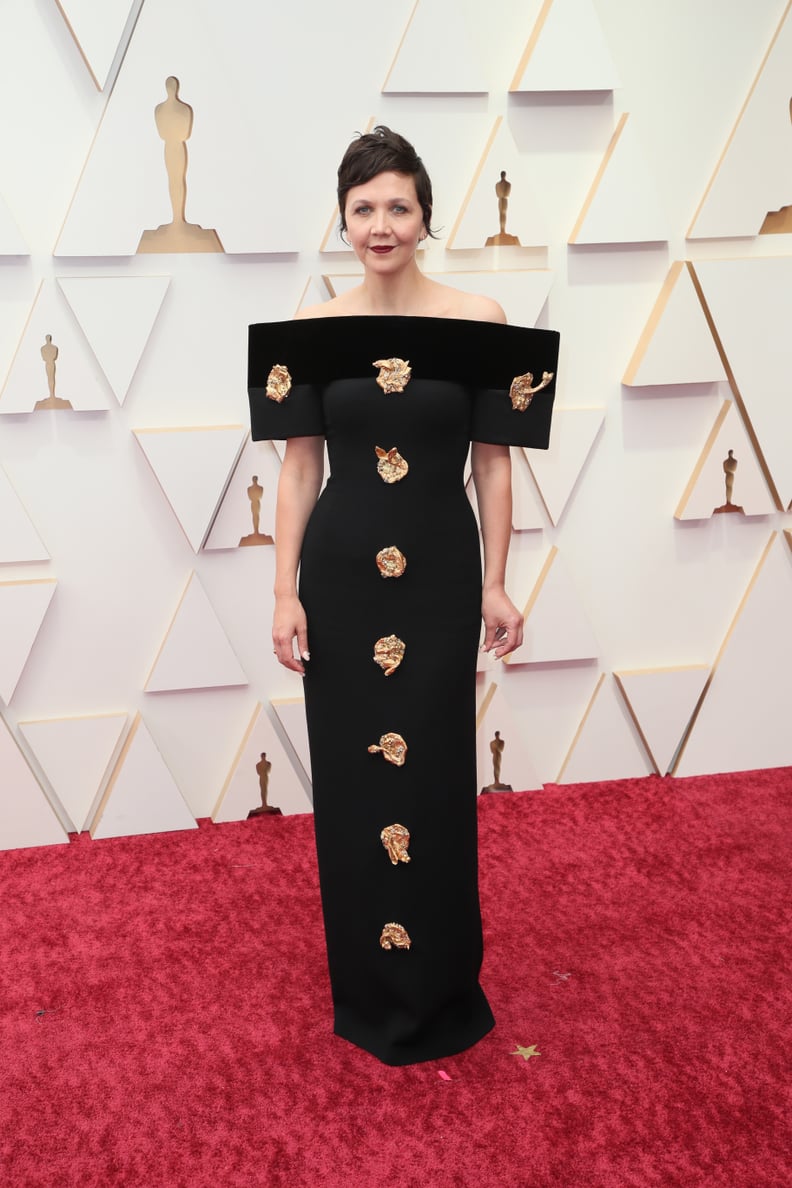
x: 362, y: 209
x: 399, y: 209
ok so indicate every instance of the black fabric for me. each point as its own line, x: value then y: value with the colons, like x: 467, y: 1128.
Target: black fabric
x: 482, y: 357
x: 425, y: 1003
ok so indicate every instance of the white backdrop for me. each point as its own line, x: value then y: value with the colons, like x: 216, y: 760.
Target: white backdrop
x: 119, y: 517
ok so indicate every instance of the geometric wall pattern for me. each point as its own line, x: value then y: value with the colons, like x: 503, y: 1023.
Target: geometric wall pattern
x: 99, y: 31
x: 192, y: 466
x: 748, y: 302
x: 75, y: 755
x: 607, y: 745
x: 116, y: 314
x: 241, y: 793
x: 753, y: 177
x: 622, y: 205
x: 19, y: 540
x: 517, y: 769
x: 727, y: 444
x: 23, y: 605
x: 662, y: 701
x: 676, y: 346
x: 142, y: 795
x: 623, y: 586
x: 76, y: 378
x: 418, y: 66
x: 478, y: 219
x: 567, y: 51
x: 751, y: 730
x: 26, y: 816
x: 195, y: 653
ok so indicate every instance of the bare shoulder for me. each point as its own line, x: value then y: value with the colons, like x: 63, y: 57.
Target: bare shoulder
x: 479, y: 308
x: 336, y: 307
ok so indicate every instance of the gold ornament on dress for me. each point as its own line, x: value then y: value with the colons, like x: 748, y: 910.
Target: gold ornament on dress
x: 394, y: 374
x: 521, y: 393
x: 392, y: 747
x: 279, y: 383
x: 391, y: 467
x: 396, y: 839
x: 394, y: 937
x: 391, y: 562
x: 389, y: 653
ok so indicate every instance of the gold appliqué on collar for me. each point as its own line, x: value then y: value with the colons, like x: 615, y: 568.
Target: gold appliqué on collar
x: 391, y: 562
x: 394, y: 374
x: 521, y: 393
x: 394, y: 936
x: 279, y: 383
x: 391, y: 467
x: 396, y: 839
x: 389, y: 653
x: 392, y: 747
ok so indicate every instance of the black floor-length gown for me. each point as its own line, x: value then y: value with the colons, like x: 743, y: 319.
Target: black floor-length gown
x: 397, y: 461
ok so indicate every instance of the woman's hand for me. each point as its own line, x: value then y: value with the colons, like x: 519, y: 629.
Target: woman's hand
x: 289, y: 623
x: 503, y: 623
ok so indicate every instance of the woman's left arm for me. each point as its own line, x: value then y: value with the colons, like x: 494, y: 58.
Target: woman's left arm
x: 503, y: 623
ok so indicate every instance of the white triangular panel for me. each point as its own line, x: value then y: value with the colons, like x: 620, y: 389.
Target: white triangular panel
x: 754, y: 174
x: 478, y: 218
x: 743, y: 722
x: 527, y: 511
x: 557, y: 469
x: 241, y: 791
x: 123, y: 188
x: 521, y: 291
x: 607, y: 745
x: 622, y: 205
x: 11, y: 241
x: 676, y: 346
x: 291, y: 715
x: 517, y: 766
x: 98, y: 30
x: 314, y: 293
x: 567, y: 51
x: 557, y: 627
x: 192, y: 467
x: 749, y: 301
x: 438, y: 53
x: 23, y: 606
x: 706, y: 489
x: 195, y: 653
x: 26, y: 816
x: 142, y: 796
x: 78, y: 378
x: 75, y: 755
x: 116, y: 314
x: 662, y: 701
x: 19, y: 540
x: 234, y: 520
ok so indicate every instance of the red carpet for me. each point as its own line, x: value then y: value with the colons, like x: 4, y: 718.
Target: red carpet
x: 165, y: 1021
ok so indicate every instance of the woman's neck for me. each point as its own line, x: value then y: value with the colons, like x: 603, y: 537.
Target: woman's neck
x: 406, y: 293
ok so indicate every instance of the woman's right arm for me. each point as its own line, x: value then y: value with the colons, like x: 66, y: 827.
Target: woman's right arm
x: 300, y: 481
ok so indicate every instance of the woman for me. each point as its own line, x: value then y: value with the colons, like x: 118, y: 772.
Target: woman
x: 398, y: 376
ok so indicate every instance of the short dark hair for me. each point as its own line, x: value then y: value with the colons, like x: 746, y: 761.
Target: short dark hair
x: 383, y: 151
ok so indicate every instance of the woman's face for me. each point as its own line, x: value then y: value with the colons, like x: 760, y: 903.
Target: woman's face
x: 384, y: 221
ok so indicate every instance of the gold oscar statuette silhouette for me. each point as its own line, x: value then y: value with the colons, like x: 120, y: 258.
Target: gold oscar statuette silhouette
x: 49, y: 353
x: 779, y: 222
x: 729, y: 471
x: 263, y: 769
x: 174, y: 120
x: 503, y: 239
x: 497, y: 746
x: 255, y: 492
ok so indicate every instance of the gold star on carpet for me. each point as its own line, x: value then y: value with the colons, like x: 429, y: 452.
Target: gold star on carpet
x: 526, y: 1053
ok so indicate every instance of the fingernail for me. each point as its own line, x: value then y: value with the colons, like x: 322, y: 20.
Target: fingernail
x: 306, y: 655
